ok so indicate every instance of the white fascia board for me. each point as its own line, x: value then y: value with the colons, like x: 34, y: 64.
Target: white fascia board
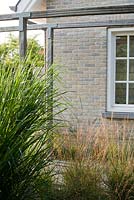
x: 25, y: 6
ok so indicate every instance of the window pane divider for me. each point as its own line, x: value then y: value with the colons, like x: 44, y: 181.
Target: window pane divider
x: 127, y: 92
x: 121, y: 58
x: 124, y: 58
x: 121, y: 82
x: 124, y: 81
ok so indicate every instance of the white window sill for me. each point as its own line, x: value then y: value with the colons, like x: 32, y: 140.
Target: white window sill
x: 118, y: 115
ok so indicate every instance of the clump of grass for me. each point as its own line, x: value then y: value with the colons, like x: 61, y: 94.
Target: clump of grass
x: 119, y: 168
x: 26, y: 129
x: 115, y: 153
x: 100, y: 163
x: 73, y: 146
x: 82, y: 180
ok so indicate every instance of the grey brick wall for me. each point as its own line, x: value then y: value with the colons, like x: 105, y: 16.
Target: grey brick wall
x: 62, y: 4
x: 82, y: 57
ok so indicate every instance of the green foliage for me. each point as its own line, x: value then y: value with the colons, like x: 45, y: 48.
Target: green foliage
x: 26, y: 130
x: 9, y: 52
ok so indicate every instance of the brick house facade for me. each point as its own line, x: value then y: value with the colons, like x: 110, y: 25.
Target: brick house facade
x: 83, y: 57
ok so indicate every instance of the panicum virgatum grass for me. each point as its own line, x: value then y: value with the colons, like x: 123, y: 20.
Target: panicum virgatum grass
x: 100, y: 162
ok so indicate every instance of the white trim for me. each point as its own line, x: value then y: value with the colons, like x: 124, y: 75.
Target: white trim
x: 121, y: 31
x: 111, y: 106
x: 24, y: 5
x: 127, y: 89
x: 30, y: 5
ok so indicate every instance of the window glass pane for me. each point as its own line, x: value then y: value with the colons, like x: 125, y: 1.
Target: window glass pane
x: 120, y: 93
x: 131, y: 43
x: 131, y: 70
x: 121, y: 46
x: 121, y: 70
x: 131, y: 93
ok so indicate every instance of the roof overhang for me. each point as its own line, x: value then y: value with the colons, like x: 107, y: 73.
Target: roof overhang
x: 29, y: 5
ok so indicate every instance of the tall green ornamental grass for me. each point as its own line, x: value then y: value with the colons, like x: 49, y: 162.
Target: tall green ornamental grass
x: 26, y: 132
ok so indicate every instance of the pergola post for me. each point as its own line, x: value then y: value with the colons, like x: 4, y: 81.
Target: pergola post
x: 22, y: 36
x: 49, y: 59
x: 50, y: 46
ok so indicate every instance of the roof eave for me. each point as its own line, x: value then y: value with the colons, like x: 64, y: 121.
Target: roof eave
x: 13, y: 8
x: 23, y: 5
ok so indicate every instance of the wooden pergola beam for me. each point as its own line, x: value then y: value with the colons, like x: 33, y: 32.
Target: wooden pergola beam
x: 127, y: 22
x: 105, y: 10
x: 14, y: 16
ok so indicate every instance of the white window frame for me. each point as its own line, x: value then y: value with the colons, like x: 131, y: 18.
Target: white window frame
x: 111, y: 106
